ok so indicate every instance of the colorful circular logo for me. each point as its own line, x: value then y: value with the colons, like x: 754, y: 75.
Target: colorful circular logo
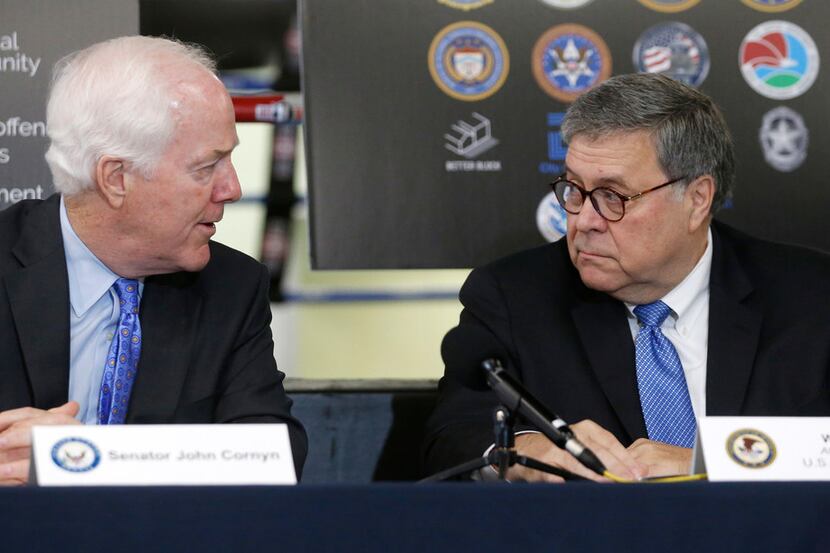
x: 675, y: 50
x: 567, y: 4
x: 551, y: 219
x: 465, y: 5
x: 569, y: 59
x: 772, y: 5
x: 76, y: 455
x: 751, y: 448
x: 669, y: 6
x: 784, y: 138
x: 779, y: 60
x: 468, y: 61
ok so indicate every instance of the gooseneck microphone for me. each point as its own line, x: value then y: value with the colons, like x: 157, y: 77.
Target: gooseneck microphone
x: 467, y: 350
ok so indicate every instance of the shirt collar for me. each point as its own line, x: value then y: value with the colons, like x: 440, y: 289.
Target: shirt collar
x: 89, y: 278
x: 696, y: 283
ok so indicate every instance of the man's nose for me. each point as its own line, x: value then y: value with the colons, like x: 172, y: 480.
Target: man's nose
x: 228, y: 189
x: 589, y: 218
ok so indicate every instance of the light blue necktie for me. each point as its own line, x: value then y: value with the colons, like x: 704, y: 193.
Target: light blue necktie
x: 122, y: 360
x: 664, y: 395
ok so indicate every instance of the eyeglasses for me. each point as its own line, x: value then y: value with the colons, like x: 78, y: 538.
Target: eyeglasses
x: 609, y: 203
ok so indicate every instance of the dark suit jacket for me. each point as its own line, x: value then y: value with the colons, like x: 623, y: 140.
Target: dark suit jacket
x: 768, y: 350
x: 207, y: 353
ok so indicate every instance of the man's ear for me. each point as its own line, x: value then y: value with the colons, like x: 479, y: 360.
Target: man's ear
x: 699, y: 195
x: 111, y: 180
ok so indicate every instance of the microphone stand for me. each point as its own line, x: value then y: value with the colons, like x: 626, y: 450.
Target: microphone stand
x: 502, y: 456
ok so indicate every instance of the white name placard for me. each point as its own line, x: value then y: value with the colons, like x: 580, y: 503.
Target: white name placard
x: 136, y: 455
x: 766, y: 448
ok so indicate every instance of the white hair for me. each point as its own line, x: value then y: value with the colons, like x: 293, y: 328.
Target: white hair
x: 114, y: 98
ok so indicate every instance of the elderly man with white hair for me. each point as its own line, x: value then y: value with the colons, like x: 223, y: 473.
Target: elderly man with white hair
x: 115, y: 305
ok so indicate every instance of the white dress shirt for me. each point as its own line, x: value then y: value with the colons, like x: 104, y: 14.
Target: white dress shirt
x: 687, y: 326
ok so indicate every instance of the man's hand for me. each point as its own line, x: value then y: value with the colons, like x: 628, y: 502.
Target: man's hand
x: 661, y: 459
x: 611, y: 452
x: 16, y: 437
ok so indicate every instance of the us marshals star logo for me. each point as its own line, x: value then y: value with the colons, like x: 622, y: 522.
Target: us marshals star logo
x: 784, y: 138
x: 569, y: 59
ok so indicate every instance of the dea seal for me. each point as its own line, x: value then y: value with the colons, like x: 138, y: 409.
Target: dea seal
x: 465, y: 5
x: 76, y: 455
x: 468, y: 61
x: 751, y: 448
x: 669, y: 6
x: 675, y: 50
x: 779, y: 60
x: 772, y: 5
x: 551, y: 218
x: 569, y: 59
x: 784, y: 138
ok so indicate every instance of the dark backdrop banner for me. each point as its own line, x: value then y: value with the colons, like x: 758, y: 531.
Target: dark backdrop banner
x: 433, y: 125
x: 34, y: 34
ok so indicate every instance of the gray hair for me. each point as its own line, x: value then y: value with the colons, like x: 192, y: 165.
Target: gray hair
x: 689, y: 132
x: 114, y: 98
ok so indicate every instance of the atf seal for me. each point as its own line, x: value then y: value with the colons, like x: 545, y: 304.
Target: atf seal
x: 567, y: 4
x: 779, y: 60
x: 465, y: 5
x: 784, y: 138
x: 468, y: 61
x: 669, y: 6
x: 673, y: 49
x: 569, y: 59
x: 772, y: 5
x: 76, y: 455
x: 551, y: 218
x: 751, y: 448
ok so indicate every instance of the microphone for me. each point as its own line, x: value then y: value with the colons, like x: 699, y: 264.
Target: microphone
x: 468, y: 349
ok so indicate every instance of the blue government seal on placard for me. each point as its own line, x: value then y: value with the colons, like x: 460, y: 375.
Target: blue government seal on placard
x: 569, y: 59
x: 468, y: 61
x: 551, y: 218
x: 669, y: 6
x: 772, y: 6
x: 76, y: 454
x: 675, y: 50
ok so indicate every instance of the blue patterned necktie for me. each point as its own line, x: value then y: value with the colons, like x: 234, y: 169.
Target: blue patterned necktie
x: 664, y: 395
x: 122, y: 360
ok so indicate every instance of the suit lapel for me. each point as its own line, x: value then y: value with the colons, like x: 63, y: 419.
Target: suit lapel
x: 606, y: 339
x: 734, y: 329
x: 170, y: 310
x: 39, y: 299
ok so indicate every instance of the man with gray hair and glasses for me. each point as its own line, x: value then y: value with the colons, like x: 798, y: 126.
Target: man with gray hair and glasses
x: 649, y: 313
x: 115, y: 305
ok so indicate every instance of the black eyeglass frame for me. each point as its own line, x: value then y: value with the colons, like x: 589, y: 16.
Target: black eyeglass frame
x: 590, y: 194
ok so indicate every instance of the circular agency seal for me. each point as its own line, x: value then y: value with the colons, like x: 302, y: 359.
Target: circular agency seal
x: 779, y: 60
x: 569, y: 59
x: 784, y: 138
x: 76, y: 455
x: 751, y: 448
x: 669, y: 6
x: 567, y: 4
x: 468, y: 61
x: 675, y: 50
x: 551, y: 219
x: 772, y: 6
x: 465, y: 5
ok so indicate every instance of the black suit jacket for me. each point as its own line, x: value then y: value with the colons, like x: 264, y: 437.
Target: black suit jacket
x: 768, y: 350
x: 207, y: 352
